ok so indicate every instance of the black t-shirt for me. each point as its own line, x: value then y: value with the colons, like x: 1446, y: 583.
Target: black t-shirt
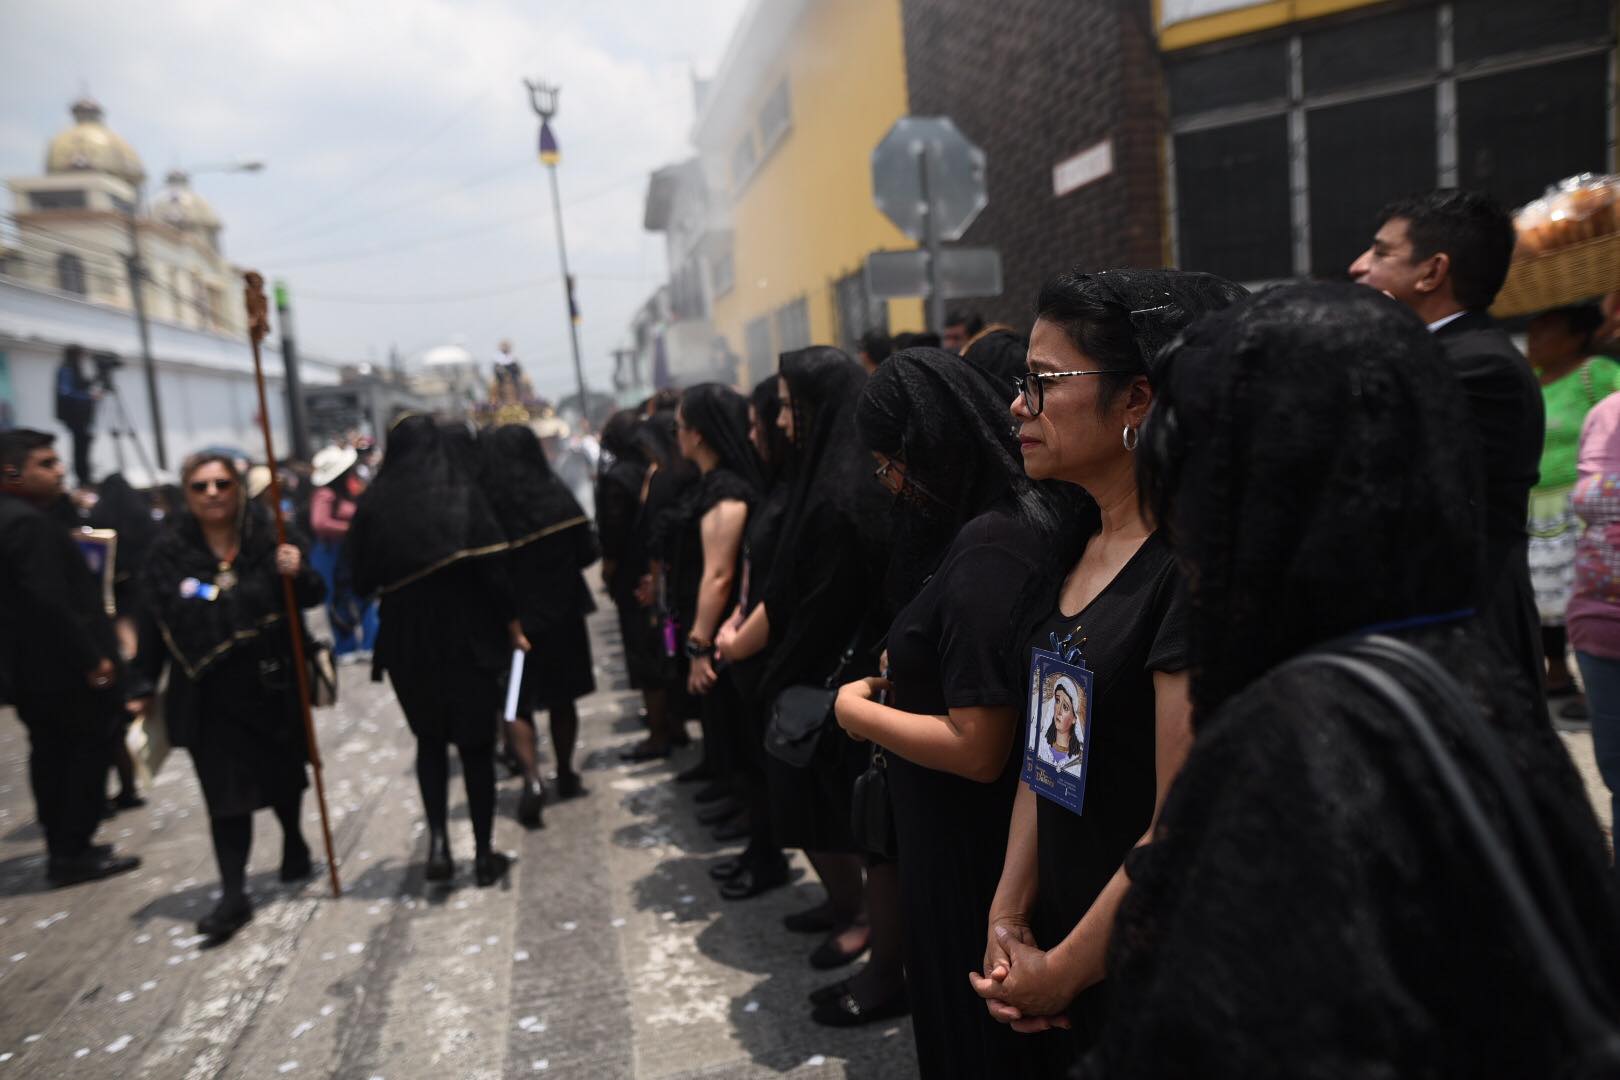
x: 1135, y: 627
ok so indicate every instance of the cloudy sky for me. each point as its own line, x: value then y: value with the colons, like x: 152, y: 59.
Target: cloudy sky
x: 402, y: 201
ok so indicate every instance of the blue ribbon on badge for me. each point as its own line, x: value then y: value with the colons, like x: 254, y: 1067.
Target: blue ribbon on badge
x: 1066, y: 649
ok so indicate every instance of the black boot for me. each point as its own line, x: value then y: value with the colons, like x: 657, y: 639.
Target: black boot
x: 529, y: 803
x: 439, y: 865
x: 229, y: 915
x: 489, y: 868
x: 295, y: 860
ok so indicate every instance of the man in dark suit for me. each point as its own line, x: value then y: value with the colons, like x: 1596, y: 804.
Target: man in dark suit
x: 1445, y: 255
x: 58, y: 660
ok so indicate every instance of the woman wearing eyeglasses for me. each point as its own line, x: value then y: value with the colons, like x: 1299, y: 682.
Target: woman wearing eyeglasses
x: 1115, y: 610
x: 213, y: 579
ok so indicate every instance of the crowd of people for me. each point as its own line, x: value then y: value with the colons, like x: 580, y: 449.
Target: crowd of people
x: 1164, y: 693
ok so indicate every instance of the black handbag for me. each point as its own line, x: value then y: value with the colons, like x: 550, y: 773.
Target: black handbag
x: 800, y: 715
x: 1548, y: 924
x: 871, y: 809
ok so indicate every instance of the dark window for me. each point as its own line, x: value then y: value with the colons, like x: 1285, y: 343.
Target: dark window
x: 1362, y: 155
x: 793, y: 324
x: 1486, y: 28
x: 775, y: 117
x: 57, y: 200
x: 70, y: 274
x: 858, y: 311
x: 1232, y: 194
x: 743, y: 160
x: 1240, y: 76
x: 1400, y: 44
x: 1520, y: 131
x: 757, y: 340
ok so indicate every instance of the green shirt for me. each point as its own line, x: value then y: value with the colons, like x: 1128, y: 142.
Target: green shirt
x: 1567, y: 401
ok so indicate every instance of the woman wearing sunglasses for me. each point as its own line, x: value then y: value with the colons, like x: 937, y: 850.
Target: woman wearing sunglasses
x: 213, y: 579
x: 1109, y: 616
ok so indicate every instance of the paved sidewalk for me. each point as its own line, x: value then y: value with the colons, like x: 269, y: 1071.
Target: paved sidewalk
x: 607, y: 953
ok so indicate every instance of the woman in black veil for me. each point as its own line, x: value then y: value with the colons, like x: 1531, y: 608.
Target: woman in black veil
x: 552, y: 543
x: 712, y: 429
x: 668, y: 478
x: 971, y: 533
x: 824, y: 599
x: 1308, y: 874
x: 425, y: 540
x: 761, y: 540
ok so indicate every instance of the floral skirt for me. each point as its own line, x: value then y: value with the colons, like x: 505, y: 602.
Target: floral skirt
x: 1554, y: 528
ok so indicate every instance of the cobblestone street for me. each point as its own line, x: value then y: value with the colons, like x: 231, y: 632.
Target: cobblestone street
x: 607, y: 952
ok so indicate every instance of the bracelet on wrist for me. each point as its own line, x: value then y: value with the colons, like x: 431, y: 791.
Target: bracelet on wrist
x: 697, y: 649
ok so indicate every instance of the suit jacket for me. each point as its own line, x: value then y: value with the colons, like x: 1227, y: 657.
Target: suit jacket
x: 52, y: 623
x: 1510, y: 422
x: 1509, y: 419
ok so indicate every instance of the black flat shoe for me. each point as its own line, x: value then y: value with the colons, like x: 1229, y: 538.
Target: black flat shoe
x: 753, y: 880
x: 569, y: 786
x: 715, y: 813
x: 827, y: 955
x: 529, y: 803
x: 91, y: 866
x: 128, y: 800
x: 845, y: 1011
x: 727, y: 869
x: 714, y: 792
x: 296, y: 864
x: 229, y: 916
x: 829, y: 994
x: 816, y: 920
x: 439, y: 865
x: 736, y: 829
x: 697, y: 772
x: 644, y: 751
x: 489, y: 868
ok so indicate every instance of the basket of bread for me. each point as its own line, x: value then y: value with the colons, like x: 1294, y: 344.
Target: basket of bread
x: 1569, y: 247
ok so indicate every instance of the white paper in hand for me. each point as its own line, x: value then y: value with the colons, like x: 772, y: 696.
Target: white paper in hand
x: 513, y: 683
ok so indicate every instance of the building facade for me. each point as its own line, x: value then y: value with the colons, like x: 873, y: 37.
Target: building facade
x: 1291, y: 123
x: 805, y: 91
x: 1065, y: 99
x: 65, y: 280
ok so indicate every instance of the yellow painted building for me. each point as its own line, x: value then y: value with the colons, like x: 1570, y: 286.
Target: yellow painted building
x: 807, y: 88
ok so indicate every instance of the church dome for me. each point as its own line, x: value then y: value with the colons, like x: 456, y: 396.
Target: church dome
x: 90, y: 146
x: 179, y: 206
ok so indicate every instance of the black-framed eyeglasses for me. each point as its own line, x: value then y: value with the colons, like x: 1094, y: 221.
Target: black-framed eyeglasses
x: 1032, y: 385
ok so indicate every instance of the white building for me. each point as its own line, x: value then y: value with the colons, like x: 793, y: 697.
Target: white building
x: 64, y: 279
x: 673, y: 332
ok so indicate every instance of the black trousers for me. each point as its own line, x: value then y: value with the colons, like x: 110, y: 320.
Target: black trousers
x: 70, y: 749
x: 82, y: 469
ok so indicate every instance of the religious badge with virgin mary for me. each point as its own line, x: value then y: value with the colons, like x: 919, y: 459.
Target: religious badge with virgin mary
x: 1057, y: 736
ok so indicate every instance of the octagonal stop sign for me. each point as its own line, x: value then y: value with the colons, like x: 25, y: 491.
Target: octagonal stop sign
x: 924, y: 163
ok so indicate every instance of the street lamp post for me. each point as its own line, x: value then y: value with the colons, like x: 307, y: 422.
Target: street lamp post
x: 543, y: 99
x: 137, y: 292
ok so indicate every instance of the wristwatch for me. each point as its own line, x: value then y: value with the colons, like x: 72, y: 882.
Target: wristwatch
x: 695, y: 649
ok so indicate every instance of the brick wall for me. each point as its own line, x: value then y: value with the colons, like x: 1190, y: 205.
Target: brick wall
x: 1033, y: 82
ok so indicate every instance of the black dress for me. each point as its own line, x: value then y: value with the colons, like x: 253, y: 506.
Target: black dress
x: 618, y: 504
x: 951, y: 647
x: 822, y: 598
x: 553, y: 601
x: 444, y: 643
x: 233, y: 699
x: 1135, y: 627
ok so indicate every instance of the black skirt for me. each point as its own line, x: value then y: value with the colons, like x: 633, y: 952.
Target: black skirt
x: 248, y: 742
x: 810, y: 807
x: 459, y: 704
x: 558, y: 666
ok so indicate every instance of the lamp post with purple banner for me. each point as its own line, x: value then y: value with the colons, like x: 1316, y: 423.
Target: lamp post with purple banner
x: 543, y: 98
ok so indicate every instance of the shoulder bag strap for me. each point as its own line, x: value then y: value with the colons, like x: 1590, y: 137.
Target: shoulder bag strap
x: 1597, y: 1033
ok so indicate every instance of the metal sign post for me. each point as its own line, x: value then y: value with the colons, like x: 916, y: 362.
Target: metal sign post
x: 929, y: 180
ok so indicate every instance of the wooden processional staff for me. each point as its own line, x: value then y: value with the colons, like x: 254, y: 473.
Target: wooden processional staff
x: 258, y: 313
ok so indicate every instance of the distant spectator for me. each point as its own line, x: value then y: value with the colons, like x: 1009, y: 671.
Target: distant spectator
x: 76, y: 398
x: 875, y: 348
x: 960, y: 328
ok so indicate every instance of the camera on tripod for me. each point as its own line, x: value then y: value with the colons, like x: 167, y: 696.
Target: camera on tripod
x: 106, y: 363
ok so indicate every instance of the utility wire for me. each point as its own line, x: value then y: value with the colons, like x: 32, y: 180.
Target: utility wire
x: 393, y: 163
